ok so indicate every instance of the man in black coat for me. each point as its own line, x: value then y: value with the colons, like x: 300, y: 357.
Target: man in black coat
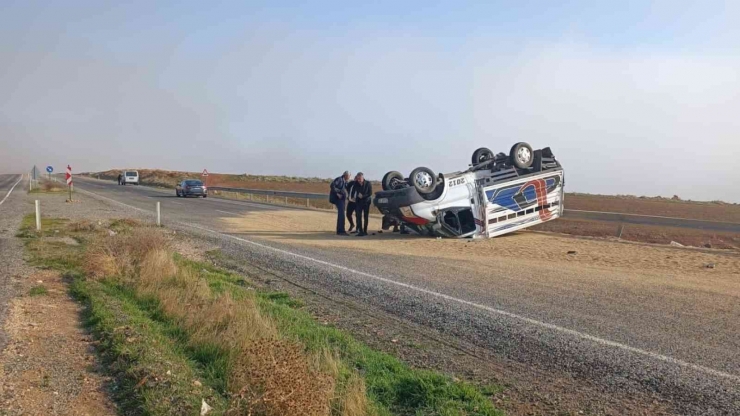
x: 351, y: 206
x: 338, y: 197
x: 364, y: 193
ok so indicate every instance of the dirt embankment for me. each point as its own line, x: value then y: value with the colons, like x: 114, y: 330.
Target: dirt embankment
x: 49, y: 364
x: 644, y: 233
x: 168, y: 179
x: 708, y: 211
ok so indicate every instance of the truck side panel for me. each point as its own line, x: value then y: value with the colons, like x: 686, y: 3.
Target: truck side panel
x: 523, y: 203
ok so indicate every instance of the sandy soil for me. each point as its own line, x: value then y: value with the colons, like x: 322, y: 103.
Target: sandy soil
x: 48, y: 365
x: 644, y: 233
x: 316, y: 228
x: 710, y: 211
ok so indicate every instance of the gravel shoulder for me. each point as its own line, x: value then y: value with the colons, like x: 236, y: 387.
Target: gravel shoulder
x: 47, y: 361
x: 12, y: 267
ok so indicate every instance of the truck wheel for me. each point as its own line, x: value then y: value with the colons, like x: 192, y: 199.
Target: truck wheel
x: 424, y: 180
x: 481, y: 155
x: 521, y: 155
x: 392, y: 180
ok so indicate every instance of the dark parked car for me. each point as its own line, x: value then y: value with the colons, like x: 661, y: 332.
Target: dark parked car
x: 191, y: 187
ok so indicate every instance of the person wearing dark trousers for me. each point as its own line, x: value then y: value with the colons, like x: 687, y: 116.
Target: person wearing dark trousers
x: 403, y: 228
x: 363, y: 199
x: 338, y: 197
x: 351, y: 205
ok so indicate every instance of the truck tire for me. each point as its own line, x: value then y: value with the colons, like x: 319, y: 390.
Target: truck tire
x: 391, y: 180
x: 424, y: 180
x: 521, y: 155
x: 481, y: 155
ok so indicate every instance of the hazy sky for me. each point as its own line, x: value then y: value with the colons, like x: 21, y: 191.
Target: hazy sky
x: 633, y: 97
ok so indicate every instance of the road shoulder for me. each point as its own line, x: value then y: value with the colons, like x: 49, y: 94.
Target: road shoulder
x: 47, y: 361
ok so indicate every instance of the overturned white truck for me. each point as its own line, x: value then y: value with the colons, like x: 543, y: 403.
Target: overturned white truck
x: 498, y: 194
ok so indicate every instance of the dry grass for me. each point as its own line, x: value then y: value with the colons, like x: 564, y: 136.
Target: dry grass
x: 354, y: 400
x: 121, y: 254
x: 47, y: 186
x: 82, y: 226
x: 276, y: 379
x: 267, y: 375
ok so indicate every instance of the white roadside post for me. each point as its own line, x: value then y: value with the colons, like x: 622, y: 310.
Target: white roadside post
x: 38, y: 215
x: 159, y: 216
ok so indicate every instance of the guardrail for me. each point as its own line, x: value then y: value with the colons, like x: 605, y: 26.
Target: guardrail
x: 285, y: 194
x: 616, y: 217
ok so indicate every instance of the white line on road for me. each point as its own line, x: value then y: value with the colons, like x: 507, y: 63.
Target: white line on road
x: 577, y: 334
x: 176, y: 203
x: 227, y: 212
x: 11, y: 190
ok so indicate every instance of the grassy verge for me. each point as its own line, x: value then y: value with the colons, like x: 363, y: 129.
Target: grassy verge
x: 46, y: 186
x: 39, y: 290
x: 176, y: 332
x: 390, y: 383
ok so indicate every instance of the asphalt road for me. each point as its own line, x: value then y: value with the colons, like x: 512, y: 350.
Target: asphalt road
x: 641, y: 340
x: 8, y: 183
x: 11, y: 251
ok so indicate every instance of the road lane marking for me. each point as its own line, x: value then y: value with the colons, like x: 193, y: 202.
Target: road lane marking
x: 227, y: 212
x: 572, y: 332
x: 173, y: 202
x: 11, y: 190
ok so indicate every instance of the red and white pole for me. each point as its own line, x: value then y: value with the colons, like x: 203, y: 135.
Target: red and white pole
x: 69, y: 181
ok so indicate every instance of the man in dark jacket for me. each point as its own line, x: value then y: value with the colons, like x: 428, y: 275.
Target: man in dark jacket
x: 364, y: 191
x: 351, y: 206
x: 338, y: 197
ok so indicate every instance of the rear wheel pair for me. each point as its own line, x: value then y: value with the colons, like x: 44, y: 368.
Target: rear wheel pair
x: 521, y: 155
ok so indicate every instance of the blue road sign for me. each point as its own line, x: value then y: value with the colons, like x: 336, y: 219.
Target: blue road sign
x: 49, y: 169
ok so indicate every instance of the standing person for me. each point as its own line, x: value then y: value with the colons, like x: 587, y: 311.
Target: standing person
x: 351, y: 205
x: 119, y: 178
x: 364, y: 196
x: 338, y: 197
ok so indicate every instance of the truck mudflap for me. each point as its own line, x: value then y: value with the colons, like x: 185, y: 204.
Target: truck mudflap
x: 515, y: 205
